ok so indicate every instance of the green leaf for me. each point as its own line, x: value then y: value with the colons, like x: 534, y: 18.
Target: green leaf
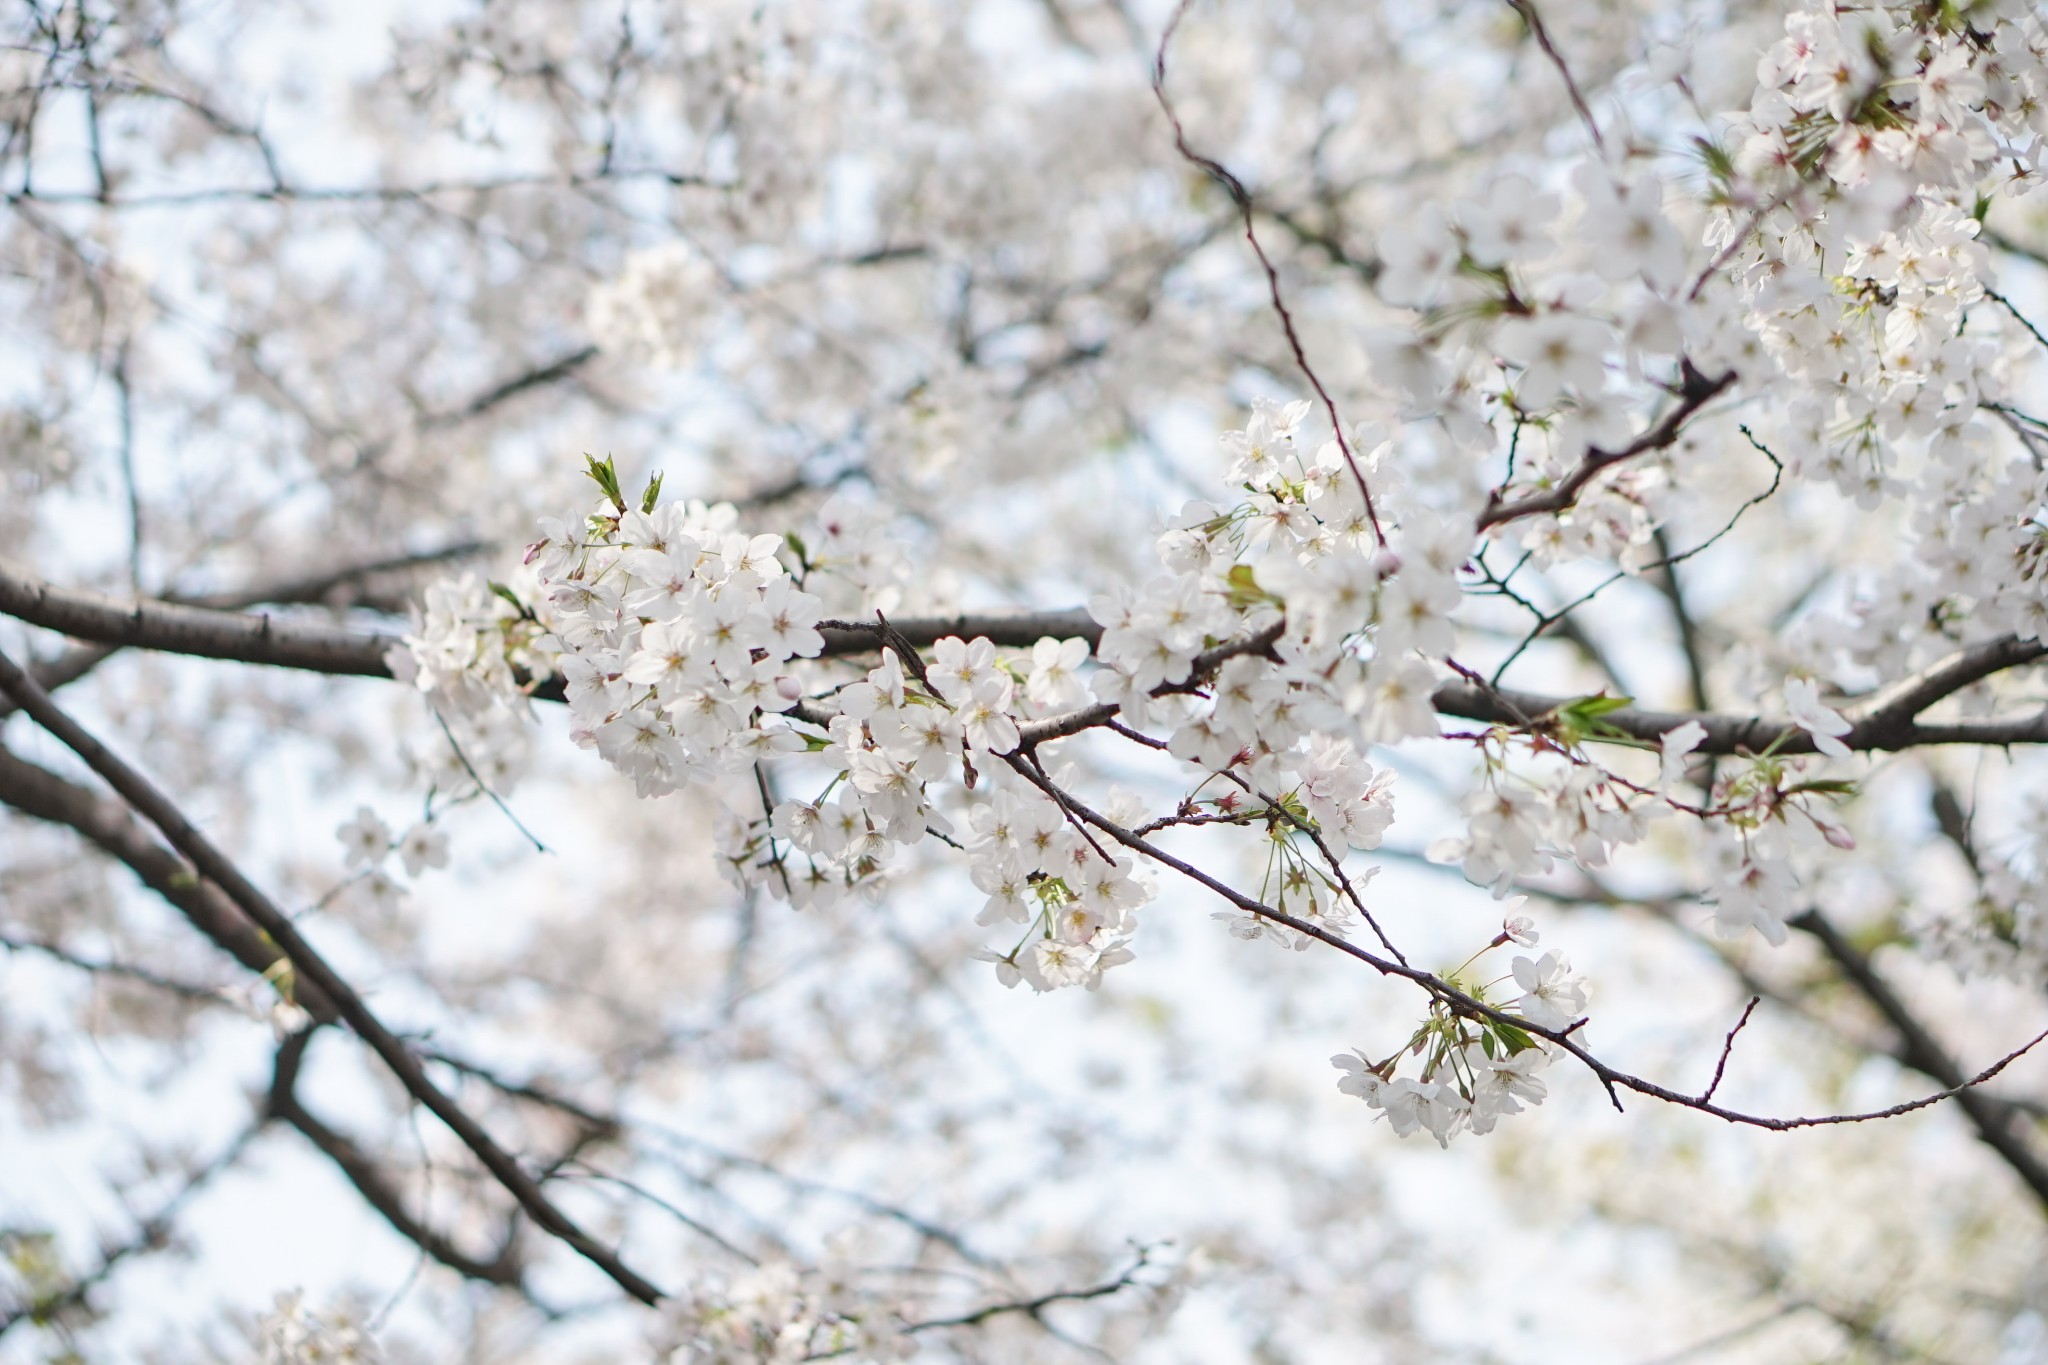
x: 500, y: 590
x: 1720, y: 165
x: 1596, y: 706
x: 1514, y: 1039
x: 1580, y: 718
x: 1826, y: 786
x: 1245, y: 590
x: 653, y: 494
x: 606, y: 475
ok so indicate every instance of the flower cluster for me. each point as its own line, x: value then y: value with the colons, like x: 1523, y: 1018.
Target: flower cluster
x: 1519, y: 820
x: 292, y: 1334
x: 1287, y: 635
x: 675, y: 633
x: 777, y: 1314
x: 475, y: 650
x: 1476, y: 1070
x: 893, y: 738
x: 367, y: 844
x: 1073, y: 897
x: 472, y: 648
x: 1851, y: 213
x: 1852, y: 207
x: 682, y: 645
x: 1323, y: 622
x: 1516, y: 330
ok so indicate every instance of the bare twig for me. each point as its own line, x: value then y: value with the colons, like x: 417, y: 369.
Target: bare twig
x: 1993, y: 1119
x: 1527, y: 9
x: 153, y: 1233
x: 2017, y: 316
x: 1032, y: 1307
x: 1243, y: 199
x: 1728, y: 1046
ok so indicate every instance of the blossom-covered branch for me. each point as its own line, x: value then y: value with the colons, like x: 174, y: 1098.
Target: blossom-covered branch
x: 1888, y: 723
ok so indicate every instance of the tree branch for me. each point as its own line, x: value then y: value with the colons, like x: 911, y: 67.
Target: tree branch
x: 148, y: 624
x: 111, y: 827
x: 505, y: 1269
x: 322, y: 588
x: 1527, y: 10
x: 1034, y: 1306
x: 1921, y: 1050
x: 126, y: 971
x: 1696, y: 391
x: 152, y: 1233
x: 209, y: 632
x: 1612, y: 1078
x: 1886, y: 720
x: 309, y: 965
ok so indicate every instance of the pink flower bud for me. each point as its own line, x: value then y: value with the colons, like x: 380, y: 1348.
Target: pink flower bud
x: 1836, y: 834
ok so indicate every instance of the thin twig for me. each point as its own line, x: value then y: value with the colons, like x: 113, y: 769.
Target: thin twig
x: 2017, y: 316
x: 1527, y: 9
x: 1728, y: 1046
x: 1243, y: 199
x: 1611, y: 1078
x: 1034, y: 1306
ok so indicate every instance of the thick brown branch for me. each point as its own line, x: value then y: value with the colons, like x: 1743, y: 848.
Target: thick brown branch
x: 111, y: 827
x: 260, y: 638
x: 1896, y: 704
x: 345, y: 586
x: 309, y: 966
x: 371, y: 1181
x: 316, y: 646
x: 1885, y: 721
x: 1008, y: 629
